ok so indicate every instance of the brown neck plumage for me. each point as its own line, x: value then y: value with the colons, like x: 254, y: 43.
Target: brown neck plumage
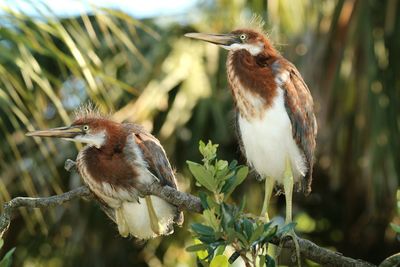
x: 252, y: 81
x: 109, y: 163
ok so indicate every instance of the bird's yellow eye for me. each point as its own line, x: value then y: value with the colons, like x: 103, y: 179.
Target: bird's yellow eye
x: 85, y: 127
x: 243, y: 37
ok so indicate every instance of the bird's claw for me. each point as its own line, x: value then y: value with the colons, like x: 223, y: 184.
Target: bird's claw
x: 286, y: 237
x: 69, y: 165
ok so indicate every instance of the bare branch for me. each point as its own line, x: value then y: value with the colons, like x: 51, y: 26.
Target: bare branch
x: 180, y: 199
x: 321, y: 255
x: 183, y: 201
x: 391, y: 261
x: 39, y: 202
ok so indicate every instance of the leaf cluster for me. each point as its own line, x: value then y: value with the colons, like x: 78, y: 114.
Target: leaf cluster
x: 217, y: 176
x: 226, y: 224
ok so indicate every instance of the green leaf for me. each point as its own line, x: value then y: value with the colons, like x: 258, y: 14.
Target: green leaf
x: 242, y: 204
x: 7, y: 260
x: 203, y: 176
x: 202, y: 229
x: 1, y: 243
x: 203, y: 199
x: 233, y: 234
x: 208, y: 151
x: 230, y: 235
x: 243, y: 239
x: 197, y: 247
x: 235, y: 181
x: 202, y: 146
x: 267, y: 226
x: 241, y: 175
x: 248, y: 227
x: 211, y: 219
x: 226, y: 175
x: 286, y: 228
x: 261, y: 260
x: 268, y: 233
x: 221, y: 165
x: 269, y: 261
x: 207, y: 239
x: 220, y: 261
x: 222, y: 176
x: 212, y: 204
x: 201, y: 254
x: 233, y: 164
x: 227, y: 218
x: 257, y: 233
x: 220, y: 250
x: 395, y: 227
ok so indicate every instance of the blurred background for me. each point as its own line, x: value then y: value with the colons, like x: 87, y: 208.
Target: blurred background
x: 130, y: 58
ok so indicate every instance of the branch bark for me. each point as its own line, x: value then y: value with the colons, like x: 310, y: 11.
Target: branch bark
x: 183, y: 201
x: 38, y: 202
x: 321, y: 255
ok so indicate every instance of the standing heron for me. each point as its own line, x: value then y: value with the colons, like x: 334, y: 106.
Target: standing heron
x: 117, y: 158
x: 275, y: 117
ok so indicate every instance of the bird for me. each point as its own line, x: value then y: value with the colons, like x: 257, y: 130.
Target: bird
x: 275, y: 120
x: 116, y: 159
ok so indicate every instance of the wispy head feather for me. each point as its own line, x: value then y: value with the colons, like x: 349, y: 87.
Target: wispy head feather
x: 255, y: 23
x: 88, y: 111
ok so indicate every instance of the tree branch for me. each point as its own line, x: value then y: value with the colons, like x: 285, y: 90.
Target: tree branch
x: 321, y: 255
x: 183, y: 201
x: 39, y: 202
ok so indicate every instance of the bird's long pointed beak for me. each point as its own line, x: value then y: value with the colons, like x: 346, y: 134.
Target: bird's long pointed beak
x: 219, y: 39
x: 60, y: 132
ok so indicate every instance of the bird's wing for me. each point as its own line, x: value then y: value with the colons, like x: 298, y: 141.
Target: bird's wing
x: 300, y: 108
x: 157, y: 160
x: 154, y: 155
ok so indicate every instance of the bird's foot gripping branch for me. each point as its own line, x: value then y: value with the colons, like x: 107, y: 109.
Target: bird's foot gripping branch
x: 226, y: 225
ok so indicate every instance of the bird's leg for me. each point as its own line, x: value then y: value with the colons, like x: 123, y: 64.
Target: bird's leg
x: 288, y: 188
x: 269, y: 186
x: 154, y: 224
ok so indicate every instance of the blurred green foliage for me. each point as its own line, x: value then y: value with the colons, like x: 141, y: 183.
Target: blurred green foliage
x: 145, y: 71
x: 6, y: 261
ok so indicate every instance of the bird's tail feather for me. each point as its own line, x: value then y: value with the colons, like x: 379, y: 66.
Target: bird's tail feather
x: 154, y: 223
x: 146, y: 218
x: 123, y: 228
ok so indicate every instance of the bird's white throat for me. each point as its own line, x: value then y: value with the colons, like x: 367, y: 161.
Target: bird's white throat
x: 253, y: 49
x: 97, y: 139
